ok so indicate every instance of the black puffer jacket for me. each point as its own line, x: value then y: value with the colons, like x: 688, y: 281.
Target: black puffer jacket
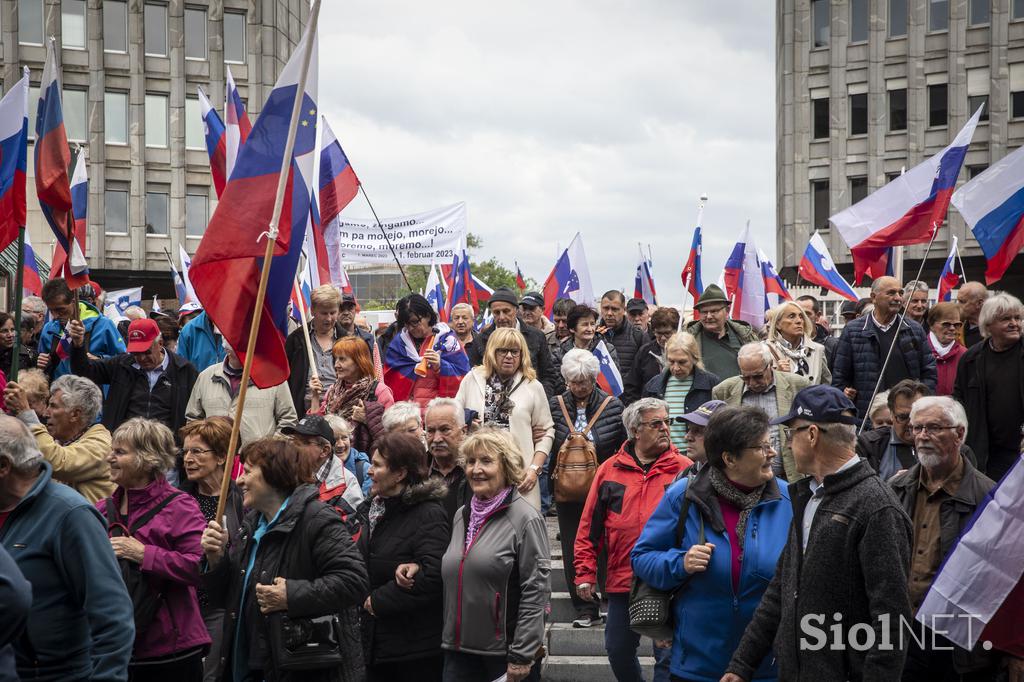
x: 609, y: 433
x: 310, y: 548
x: 627, y: 340
x: 646, y: 365
x: 414, y: 529
x: 540, y: 355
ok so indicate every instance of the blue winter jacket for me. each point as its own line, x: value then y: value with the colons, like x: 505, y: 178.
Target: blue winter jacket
x: 81, y: 625
x: 198, y: 344
x: 355, y: 457
x: 709, y: 616
x: 104, y: 339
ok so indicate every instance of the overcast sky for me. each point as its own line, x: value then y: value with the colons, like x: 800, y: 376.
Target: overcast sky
x: 605, y: 117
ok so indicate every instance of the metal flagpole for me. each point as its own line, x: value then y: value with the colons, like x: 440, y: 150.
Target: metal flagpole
x: 271, y: 236
x: 18, y: 295
x: 899, y: 326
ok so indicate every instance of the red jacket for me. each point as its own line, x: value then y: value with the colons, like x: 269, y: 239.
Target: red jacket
x: 946, y: 367
x: 620, y: 501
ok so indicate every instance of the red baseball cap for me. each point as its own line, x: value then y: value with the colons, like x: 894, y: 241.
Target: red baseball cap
x: 141, y: 335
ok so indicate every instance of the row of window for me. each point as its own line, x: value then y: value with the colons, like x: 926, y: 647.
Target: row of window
x: 115, y: 210
x: 978, y: 14
x: 115, y: 28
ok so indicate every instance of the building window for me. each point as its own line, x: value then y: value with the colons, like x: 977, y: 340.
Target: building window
x: 820, y: 20
x: 156, y: 120
x: 819, y: 204
x: 938, y: 105
x: 72, y: 24
x: 156, y: 212
x: 977, y: 91
x: 115, y: 209
x: 197, y: 209
x: 195, y: 33
x: 195, y: 137
x: 1017, y: 11
x: 30, y: 22
x: 975, y: 171
x: 897, y: 18
x: 938, y: 15
x: 859, y: 16
x: 858, y: 189
x: 115, y: 117
x: 115, y: 26
x: 1017, y: 104
x: 898, y: 109
x: 234, y: 38
x: 156, y: 30
x: 978, y: 15
x: 820, y: 113
x: 75, y: 118
x: 975, y: 101
x: 1017, y: 90
x: 859, y: 114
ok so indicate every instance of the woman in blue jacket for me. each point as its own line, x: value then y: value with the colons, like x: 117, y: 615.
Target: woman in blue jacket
x: 737, y: 520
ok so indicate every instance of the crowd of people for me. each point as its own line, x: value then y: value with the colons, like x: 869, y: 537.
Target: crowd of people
x: 384, y: 516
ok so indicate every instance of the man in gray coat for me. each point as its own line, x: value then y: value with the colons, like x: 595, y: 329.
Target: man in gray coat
x: 834, y: 608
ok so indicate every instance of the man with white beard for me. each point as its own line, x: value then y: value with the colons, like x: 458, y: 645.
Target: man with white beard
x: 940, y: 494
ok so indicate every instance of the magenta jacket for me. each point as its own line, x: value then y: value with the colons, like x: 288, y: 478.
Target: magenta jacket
x: 946, y: 367
x: 171, y: 560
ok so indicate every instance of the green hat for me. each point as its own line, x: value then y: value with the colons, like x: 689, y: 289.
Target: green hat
x: 712, y: 294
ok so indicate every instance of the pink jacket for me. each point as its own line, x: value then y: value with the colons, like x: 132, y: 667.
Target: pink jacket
x: 946, y: 366
x: 171, y: 560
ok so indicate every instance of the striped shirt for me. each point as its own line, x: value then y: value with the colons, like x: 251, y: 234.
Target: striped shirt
x: 676, y: 391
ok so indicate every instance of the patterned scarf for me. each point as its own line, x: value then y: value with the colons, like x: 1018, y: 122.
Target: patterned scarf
x: 739, y: 499
x: 377, y: 510
x: 498, y: 405
x: 479, y: 510
x: 797, y: 356
x: 342, y: 400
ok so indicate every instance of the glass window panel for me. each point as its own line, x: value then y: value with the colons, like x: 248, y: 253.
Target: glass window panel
x: 898, y: 109
x: 33, y: 109
x: 156, y: 30
x: 976, y: 101
x: 196, y: 214
x: 858, y: 189
x: 156, y: 212
x: 819, y: 204
x: 820, y: 16
x: 1017, y: 11
x: 938, y: 105
x: 72, y: 24
x: 978, y: 12
x: 234, y: 37
x: 938, y: 15
x: 859, y: 11
x: 156, y: 121
x: 194, y: 137
x: 75, y: 115
x: 115, y: 211
x: 115, y: 117
x: 30, y: 22
x: 115, y: 26
x: 897, y: 18
x: 821, y: 121
x: 195, y: 33
x: 1017, y: 104
x: 859, y: 114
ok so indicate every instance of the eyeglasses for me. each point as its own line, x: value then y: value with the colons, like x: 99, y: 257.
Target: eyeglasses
x: 902, y: 418
x: 759, y: 375
x: 788, y: 432
x: 929, y: 428
x: 765, y: 448
x: 194, y: 451
x: 657, y: 423
x: 951, y: 325
x: 514, y: 352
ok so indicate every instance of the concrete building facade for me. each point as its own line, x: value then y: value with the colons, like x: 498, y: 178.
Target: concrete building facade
x: 129, y: 74
x: 866, y: 88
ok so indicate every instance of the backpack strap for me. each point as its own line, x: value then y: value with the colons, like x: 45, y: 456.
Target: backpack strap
x: 565, y: 413
x: 148, y: 516
x: 593, y: 420
x: 684, y: 512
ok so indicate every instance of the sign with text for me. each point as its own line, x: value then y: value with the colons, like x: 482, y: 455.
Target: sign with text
x: 420, y: 239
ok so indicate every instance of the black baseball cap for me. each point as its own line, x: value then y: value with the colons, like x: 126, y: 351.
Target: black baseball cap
x: 532, y: 300
x: 821, y: 404
x: 636, y: 305
x: 348, y: 299
x: 311, y: 425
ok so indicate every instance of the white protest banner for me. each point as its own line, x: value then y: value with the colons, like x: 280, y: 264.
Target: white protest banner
x: 420, y: 239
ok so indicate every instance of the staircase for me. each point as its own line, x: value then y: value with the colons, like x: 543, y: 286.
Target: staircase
x: 577, y: 654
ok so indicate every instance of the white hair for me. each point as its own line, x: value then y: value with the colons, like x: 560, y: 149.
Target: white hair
x: 995, y: 307
x: 463, y: 306
x: 81, y: 394
x: 134, y: 312
x: 337, y: 423
x: 953, y: 410
x: 457, y: 411
x: 579, y: 364
x: 633, y: 415
x: 399, y: 413
x: 755, y: 349
x: 19, y: 445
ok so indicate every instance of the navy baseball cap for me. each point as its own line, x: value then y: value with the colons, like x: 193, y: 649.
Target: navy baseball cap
x: 702, y: 414
x: 822, y: 404
x: 311, y: 425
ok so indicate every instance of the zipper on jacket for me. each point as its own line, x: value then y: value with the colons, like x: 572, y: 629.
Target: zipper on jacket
x: 458, y: 585
x: 497, y: 615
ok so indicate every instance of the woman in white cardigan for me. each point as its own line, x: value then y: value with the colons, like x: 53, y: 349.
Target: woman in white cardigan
x: 790, y: 343
x: 505, y: 393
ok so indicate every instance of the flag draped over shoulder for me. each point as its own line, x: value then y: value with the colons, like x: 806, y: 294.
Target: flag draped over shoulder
x: 13, y: 160
x: 226, y: 268
x: 404, y: 363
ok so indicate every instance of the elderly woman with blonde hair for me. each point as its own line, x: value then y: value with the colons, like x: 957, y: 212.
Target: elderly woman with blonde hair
x: 505, y: 392
x: 790, y: 341
x: 496, y: 571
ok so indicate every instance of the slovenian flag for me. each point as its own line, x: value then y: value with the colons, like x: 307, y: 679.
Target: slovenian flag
x: 31, y: 282
x: 949, y: 279
x: 216, y: 143
x: 609, y: 379
x: 338, y: 187
x: 570, y: 278
x: 404, y: 363
x: 744, y: 281
x: 775, y: 290
x: 908, y: 209
x: 13, y: 160
x: 236, y: 123
x: 643, y: 281
x: 691, y: 271
x: 817, y: 267
x: 435, y: 293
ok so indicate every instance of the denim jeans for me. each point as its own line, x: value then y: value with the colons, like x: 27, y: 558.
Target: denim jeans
x: 546, y: 492
x: 621, y: 643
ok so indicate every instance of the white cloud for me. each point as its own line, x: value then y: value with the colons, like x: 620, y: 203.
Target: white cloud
x: 603, y: 117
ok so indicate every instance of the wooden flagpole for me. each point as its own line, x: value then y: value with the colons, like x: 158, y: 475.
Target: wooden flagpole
x: 314, y: 396
x: 271, y: 236
x: 19, y: 293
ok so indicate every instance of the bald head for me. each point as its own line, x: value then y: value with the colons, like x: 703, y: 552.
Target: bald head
x: 970, y: 298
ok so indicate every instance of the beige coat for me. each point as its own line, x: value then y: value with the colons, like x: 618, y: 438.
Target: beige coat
x: 267, y: 410
x: 531, y: 410
x: 81, y: 464
x: 787, y: 385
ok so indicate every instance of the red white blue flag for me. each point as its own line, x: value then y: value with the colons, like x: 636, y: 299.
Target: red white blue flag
x: 31, y: 282
x: 338, y: 186
x: 435, y: 293
x: 817, y: 267
x: 775, y: 290
x: 520, y: 280
x: 216, y: 143
x: 13, y: 160
x: 643, y: 281
x: 949, y: 279
x: 691, y: 271
x: 75, y: 270
x: 404, y: 363
x: 229, y: 257
x: 908, y: 209
x: 609, y: 378
x: 570, y: 278
x: 236, y: 123
x: 744, y: 281
x: 462, y: 286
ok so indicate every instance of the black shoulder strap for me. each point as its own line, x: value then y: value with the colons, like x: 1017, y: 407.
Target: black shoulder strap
x: 112, y: 514
x: 148, y: 516
x: 684, y: 512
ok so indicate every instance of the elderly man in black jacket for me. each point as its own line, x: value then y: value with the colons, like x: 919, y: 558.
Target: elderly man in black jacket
x: 148, y: 381
x: 845, y: 564
x: 940, y: 494
x: 619, y: 331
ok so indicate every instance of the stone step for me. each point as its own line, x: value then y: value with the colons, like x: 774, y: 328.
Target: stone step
x: 586, y: 668
x: 562, y: 610
x: 558, y: 575
x: 565, y: 640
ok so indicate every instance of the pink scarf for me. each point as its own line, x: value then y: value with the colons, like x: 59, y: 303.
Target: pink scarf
x: 480, y: 510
